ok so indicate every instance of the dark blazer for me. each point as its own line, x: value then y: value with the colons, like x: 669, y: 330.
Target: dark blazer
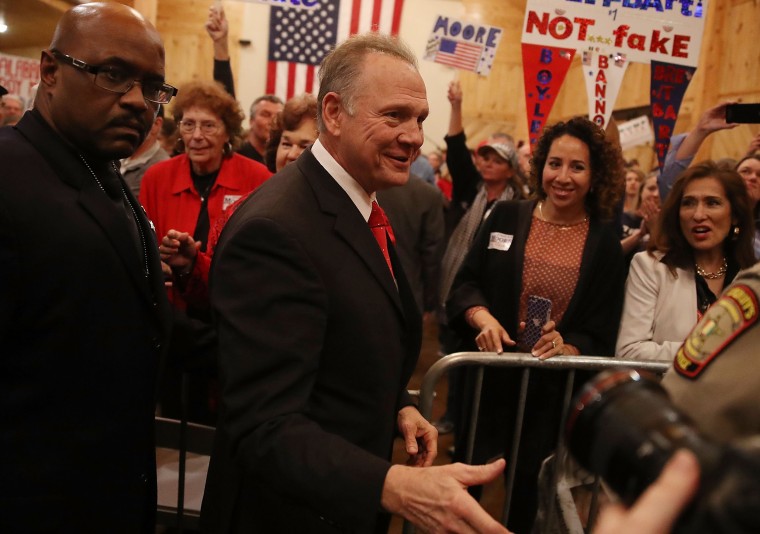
x: 415, y: 211
x: 81, y: 328
x: 493, y: 278
x: 316, y: 345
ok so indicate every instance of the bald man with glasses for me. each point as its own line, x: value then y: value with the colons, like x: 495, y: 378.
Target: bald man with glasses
x: 83, y: 312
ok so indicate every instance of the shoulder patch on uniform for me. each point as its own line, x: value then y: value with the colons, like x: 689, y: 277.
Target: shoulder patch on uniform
x: 731, y: 315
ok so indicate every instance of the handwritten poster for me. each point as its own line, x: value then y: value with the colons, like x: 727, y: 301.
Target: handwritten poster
x: 668, y: 85
x: 463, y: 45
x: 19, y: 75
x: 544, y: 69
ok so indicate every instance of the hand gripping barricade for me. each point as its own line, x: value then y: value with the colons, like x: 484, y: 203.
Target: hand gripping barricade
x: 566, y: 369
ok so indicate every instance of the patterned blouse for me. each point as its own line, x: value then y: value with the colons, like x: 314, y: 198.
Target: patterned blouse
x: 552, y: 264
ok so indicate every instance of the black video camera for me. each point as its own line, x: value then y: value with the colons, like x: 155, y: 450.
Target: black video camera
x: 623, y: 427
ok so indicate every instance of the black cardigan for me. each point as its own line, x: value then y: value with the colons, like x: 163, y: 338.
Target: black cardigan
x: 493, y: 278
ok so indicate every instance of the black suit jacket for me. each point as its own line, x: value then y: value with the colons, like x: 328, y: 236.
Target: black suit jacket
x: 81, y: 328
x: 415, y: 211
x: 493, y: 278
x: 316, y: 345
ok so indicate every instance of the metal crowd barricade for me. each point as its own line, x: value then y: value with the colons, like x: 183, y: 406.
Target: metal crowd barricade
x: 526, y: 362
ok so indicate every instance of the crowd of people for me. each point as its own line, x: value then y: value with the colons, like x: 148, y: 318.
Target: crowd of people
x: 272, y: 283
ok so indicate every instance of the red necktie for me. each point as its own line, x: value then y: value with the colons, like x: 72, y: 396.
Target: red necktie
x: 381, y: 229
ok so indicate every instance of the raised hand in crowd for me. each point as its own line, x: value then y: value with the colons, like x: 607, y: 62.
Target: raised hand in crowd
x: 711, y: 121
x: 455, y: 99
x: 218, y: 30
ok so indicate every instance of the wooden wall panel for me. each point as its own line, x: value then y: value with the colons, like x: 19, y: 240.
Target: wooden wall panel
x: 189, y: 50
x: 738, y: 65
x: 496, y: 103
x: 148, y: 8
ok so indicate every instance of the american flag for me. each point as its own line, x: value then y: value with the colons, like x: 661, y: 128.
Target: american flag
x: 300, y: 38
x: 458, y: 54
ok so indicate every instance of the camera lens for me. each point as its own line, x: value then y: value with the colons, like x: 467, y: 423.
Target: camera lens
x: 623, y: 427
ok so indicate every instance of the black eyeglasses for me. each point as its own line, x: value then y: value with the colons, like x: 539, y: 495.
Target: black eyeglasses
x: 120, y: 80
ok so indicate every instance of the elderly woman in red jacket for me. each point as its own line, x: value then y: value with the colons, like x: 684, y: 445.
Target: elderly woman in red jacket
x: 293, y: 130
x: 189, y: 192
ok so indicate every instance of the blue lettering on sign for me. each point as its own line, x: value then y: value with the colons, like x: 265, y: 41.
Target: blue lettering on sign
x: 493, y: 33
x: 469, y: 32
x: 660, y: 6
x: 442, y: 24
x: 544, y: 77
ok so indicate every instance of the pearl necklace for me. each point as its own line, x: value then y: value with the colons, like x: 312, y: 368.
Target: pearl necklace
x: 560, y: 225
x: 712, y: 276
x: 146, y: 271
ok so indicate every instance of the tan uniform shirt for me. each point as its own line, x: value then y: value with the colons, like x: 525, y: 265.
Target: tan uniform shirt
x: 715, y: 378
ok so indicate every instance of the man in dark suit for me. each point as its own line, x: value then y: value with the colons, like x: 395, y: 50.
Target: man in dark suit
x: 82, y: 306
x: 319, y: 331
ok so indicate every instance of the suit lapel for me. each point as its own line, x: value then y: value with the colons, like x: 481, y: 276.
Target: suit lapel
x: 114, y: 225
x: 69, y: 168
x: 349, y: 224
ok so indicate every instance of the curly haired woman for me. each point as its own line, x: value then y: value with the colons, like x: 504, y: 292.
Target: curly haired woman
x: 560, y: 246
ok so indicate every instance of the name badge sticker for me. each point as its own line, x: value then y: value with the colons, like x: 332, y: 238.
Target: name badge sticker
x: 229, y: 200
x: 499, y: 241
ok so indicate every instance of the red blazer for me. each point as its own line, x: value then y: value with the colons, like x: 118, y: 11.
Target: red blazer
x: 171, y: 201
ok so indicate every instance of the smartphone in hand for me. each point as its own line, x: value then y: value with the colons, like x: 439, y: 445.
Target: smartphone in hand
x: 743, y: 113
x: 539, y: 312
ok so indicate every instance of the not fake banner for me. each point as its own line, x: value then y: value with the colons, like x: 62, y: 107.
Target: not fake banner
x: 613, y: 33
x: 643, y: 30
